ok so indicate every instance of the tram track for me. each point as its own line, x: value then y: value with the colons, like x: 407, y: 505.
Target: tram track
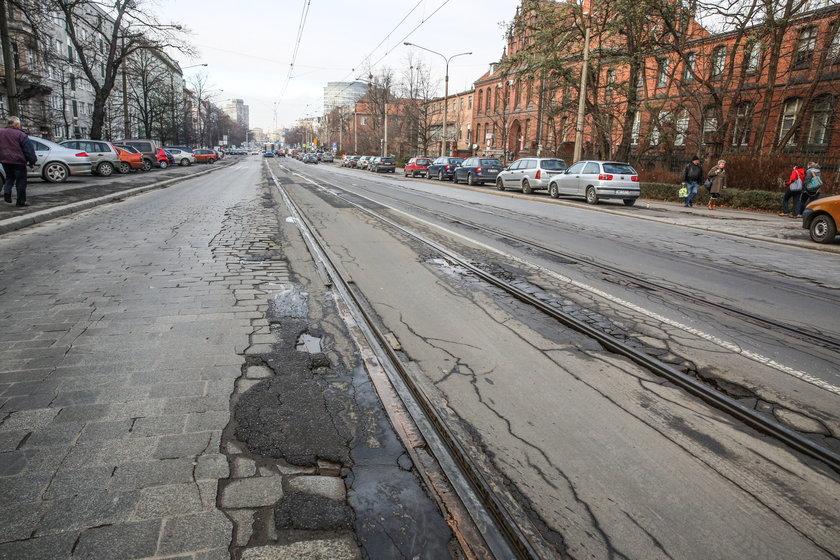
x: 520, y: 541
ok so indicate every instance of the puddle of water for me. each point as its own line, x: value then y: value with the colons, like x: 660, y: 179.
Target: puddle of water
x: 308, y: 343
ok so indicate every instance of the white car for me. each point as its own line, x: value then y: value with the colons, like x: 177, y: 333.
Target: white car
x: 182, y: 157
x: 596, y: 180
x: 530, y: 174
x: 55, y: 162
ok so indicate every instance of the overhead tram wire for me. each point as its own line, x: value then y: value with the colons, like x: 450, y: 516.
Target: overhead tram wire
x: 303, y: 15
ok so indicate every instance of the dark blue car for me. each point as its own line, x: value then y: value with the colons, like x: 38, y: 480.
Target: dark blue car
x: 444, y: 167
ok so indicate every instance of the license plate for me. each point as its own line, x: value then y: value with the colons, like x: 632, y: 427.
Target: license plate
x: 622, y: 192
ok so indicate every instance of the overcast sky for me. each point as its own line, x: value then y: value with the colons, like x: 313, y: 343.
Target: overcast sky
x: 248, y: 45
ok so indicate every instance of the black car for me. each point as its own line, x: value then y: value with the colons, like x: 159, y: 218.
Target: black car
x: 383, y: 164
x: 444, y: 167
x: 477, y: 171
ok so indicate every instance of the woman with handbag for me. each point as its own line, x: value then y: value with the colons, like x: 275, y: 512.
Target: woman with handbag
x: 794, y: 191
x: 717, y: 175
x: 811, y: 185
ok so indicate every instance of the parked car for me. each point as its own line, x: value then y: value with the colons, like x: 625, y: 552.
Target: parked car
x: 55, y: 162
x: 821, y: 217
x: 383, y: 165
x: 345, y: 161
x: 163, y: 159
x: 417, y: 166
x: 147, y: 163
x: 596, y: 180
x: 477, y: 171
x: 327, y: 157
x: 363, y: 162
x: 181, y: 157
x: 530, y: 174
x: 444, y: 167
x: 182, y: 148
x: 129, y: 160
x: 268, y: 154
x: 146, y: 147
x: 103, y: 155
x: 310, y: 158
x: 205, y: 156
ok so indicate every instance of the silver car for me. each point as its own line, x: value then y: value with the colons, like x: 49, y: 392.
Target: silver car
x: 530, y: 174
x: 55, y: 162
x: 104, y: 158
x: 596, y: 180
x: 182, y: 157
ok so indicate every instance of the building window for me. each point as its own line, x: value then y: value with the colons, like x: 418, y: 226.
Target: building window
x: 364, y: 121
x: 834, y: 49
x: 681, y: 128
x: 662, y: 75
x: 718, y: 62
x: 753, y: 56
x: 690, y: 67
x: 710, y: 125
x: 611, y: 84
x: 805, y: 46
x: 635, y: 133
x: 741, y: 126
x: 480, y: 96
x: 789, y: 112
x: 820, y: 119
x: 75, y: 106
x: 469, y: 102
x: 70, y: 53
x: 659, y: 123
x: 72, y: 82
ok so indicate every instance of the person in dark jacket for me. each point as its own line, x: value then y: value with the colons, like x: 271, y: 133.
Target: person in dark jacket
x: 794, y: 191
x: 691, y: 178
x: 16, y: 151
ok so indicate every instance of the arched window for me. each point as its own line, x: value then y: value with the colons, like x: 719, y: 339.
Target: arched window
x: 681, y: 128
x: 710, y: 125
x: 753, y: 57
x: 820, y: 121
x: 480, y: 98
x: 789, y: 112
x: 487, y: 99
x: 517, y: 98
x: 741, y: 127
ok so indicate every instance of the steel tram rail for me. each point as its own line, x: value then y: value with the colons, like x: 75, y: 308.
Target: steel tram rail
x: 712, y: 397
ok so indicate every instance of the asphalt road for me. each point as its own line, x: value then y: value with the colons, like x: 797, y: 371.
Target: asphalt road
x: 610, y: 460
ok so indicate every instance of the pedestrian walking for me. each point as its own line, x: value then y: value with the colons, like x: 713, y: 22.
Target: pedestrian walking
x: 16, y: 151
x: 691, y: 179
x: 794, y: 192
x: 717, y: 175
x: 811, y: 184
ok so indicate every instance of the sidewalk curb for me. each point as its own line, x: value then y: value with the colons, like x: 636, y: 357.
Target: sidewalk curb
x: 13, y: 224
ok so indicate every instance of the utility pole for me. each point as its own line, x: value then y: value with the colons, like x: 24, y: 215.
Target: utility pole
x: 385, y: 143
x: 8, y: 61
x: 355, y: 133
x: 582, y: 97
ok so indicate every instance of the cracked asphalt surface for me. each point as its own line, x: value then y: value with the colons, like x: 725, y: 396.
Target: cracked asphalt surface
x: 607, y: 459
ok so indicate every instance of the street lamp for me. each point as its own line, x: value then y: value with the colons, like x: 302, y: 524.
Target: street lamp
x: 445, y: 87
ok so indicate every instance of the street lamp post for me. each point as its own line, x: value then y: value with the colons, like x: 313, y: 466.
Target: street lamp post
x: 582, y: 97
x: 445, y: 88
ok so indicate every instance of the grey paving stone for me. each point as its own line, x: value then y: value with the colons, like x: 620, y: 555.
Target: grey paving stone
x: 187, y: 405
x: 23, y: 488
x: 29, y: 419
x: 55, y: 434
x: 9, y: 440
x: 195, y: 532
x: 12, y: 463
x: 243, y: 520
x: 213, y: 467
x: 243, y: 467
x: 73, y: 482
x: 258, y: 372
x: 215, y: 554
x: 327, y: 486
x: 244, y: 384
x: 86, y: 511
x: 27, y: 402
x: 158, y: 425
x: 82, y: 396
x: 200, y: 422
x: 110, y: 452
x: 343, y: 548
x: 186, y: 389
x: 252, y: 492
x: 119, y: 542
x: 54, y: 546
x: 182, y: 445
x: 138, y: 409
x: 18, y: 521
x: 169, y: 501
x: 152, y: 473
x: 82, y: 413
x: 112, y: 429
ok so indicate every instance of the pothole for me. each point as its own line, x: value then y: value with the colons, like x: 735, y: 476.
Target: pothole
x: 308, y: 343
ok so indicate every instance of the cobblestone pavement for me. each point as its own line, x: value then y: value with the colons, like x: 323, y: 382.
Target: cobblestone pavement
x: 123, y: 334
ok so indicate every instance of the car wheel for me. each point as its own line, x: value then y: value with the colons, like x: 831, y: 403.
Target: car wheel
x: 440, y: 175
x: 185, y: 162
x: 163, y: 164
x: 526, y: 187
x: 55, y: 172
x: 454, y: 178
x: 591, y: 195
x: 105, y: 169
x: 552, y: 190
x: 823, y: 229
x: 147, y: 164
x: 211, y: 160
x: 500, y: 185
x: 470, y: 179
x: 124, y: 167
x: 629, y: 201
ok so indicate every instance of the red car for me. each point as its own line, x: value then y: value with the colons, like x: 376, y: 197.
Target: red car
x: 129, y: 160
x: 162, y: 158
x: 417, y: 166
x: 205, y: 156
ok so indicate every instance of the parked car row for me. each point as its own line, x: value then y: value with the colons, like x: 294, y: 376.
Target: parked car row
x: 376, y: 164
x: 326, y: 157
x: 58, y: 161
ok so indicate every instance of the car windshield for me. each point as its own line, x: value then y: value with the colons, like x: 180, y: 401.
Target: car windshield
x: 490, y: 162
x: 619, y: 168
x: 423, y: 161
x: 128, y: 149
x: 387, y: 160
x: 456, y: 160
x: 554, y: 164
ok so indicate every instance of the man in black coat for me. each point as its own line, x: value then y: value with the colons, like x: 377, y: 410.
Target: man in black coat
x: 692, y: 177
